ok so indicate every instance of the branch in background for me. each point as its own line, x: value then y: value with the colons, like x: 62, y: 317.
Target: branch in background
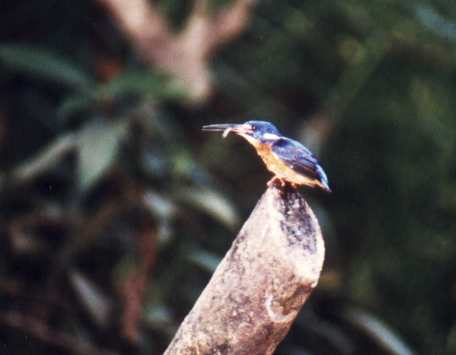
x: 261, y: 284
x: 184, y: 55
x: 133, y: 288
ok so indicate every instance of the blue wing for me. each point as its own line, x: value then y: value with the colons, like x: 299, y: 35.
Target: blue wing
x: 300, y: 159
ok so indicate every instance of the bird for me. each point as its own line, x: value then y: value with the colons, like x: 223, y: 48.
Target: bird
x: 290, y: 161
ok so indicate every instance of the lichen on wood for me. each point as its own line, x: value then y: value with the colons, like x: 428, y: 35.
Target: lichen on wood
x: 260, y: 285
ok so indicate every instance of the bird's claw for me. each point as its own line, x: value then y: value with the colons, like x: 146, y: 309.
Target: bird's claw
x: 274, y: 180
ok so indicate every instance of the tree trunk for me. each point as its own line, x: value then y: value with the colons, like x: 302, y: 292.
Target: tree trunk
x: 260, y: 285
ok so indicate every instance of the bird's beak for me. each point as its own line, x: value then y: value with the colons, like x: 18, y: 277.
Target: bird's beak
x: 226, y: 128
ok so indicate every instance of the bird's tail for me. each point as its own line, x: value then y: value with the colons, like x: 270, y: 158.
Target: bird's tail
x: 323, y: 179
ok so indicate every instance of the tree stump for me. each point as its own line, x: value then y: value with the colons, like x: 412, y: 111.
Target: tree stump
x: 260, y: 285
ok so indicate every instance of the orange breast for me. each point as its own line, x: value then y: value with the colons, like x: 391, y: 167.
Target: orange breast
x: 280, y: 169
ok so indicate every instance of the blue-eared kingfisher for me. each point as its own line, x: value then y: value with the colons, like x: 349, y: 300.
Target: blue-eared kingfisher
x: 287, y: 159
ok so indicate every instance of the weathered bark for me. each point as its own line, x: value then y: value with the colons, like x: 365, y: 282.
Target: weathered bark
x: 260, y: 285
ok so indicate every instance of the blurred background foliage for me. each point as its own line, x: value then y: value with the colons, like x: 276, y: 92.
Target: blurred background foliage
x: 115, y: 208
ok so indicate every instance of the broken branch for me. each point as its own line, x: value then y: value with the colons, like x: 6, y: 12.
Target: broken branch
x: 259, y: 287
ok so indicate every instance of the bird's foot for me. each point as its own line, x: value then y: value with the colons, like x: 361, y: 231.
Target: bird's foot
x: 274, y: 180
x: 271, y: 181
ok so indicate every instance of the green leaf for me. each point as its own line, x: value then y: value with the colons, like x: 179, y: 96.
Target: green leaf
x: 213, y: 203
x: 98, y: 305
x: 98, y: 146
x: 42, y: 63
x: 378, y: 331
x: 46, y: 158
x: 158, y: 315
x: 140, y: 83
x: 205, y: 260
x: 74, y: 104
x: 159, y: 205
x: 143, y: 84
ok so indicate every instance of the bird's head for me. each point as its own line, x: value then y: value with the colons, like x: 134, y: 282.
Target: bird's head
x: 255, y: 132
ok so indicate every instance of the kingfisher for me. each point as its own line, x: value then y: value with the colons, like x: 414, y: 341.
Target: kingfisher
x: 289, y: 161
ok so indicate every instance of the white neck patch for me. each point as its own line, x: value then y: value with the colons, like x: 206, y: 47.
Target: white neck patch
x: 271, y: 136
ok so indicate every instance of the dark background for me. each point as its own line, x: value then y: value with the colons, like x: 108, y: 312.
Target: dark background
x: 115, y: 208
